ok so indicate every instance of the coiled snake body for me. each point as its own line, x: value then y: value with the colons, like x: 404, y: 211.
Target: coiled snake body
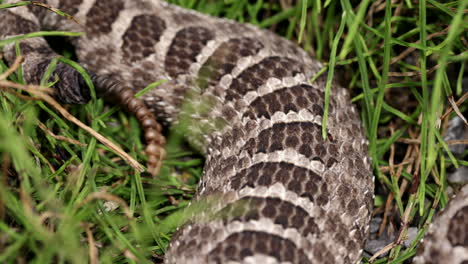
x: 254, y: 113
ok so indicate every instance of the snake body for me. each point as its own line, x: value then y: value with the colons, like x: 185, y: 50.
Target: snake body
x: 447, y: 238
x: 284, y: 194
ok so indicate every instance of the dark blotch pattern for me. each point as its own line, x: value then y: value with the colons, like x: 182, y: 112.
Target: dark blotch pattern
x: 138, y: 42
x: 280, y: 212
x: 140, y: 38
x: 21, y: 25
x: 458, y: 228
x: 323, y: 255
x: 43, y: 50
x: 39, y: 11
x: 184, y: 49
x: 306, y: 137
x: 238, y: 246
x: 70, y: 89
x: 224, y: 59
x: 255, y: 76
x: 101, y: 16
x: 286, y: 100
x: 346, y: 194
x: 305, y: 183
x: 70, y: 6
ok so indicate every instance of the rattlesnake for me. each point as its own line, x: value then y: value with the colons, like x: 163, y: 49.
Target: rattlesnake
x: 284, y: 193
x: 447, y: 238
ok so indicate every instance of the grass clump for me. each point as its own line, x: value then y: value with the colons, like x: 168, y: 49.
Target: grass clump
x: 66, y: 197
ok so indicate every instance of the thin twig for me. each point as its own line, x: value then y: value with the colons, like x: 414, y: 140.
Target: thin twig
x: 409, y: 50
x: 448, y: 142
x: 43, y: 94
x: 454, y: 107
x: 37, y: 91
x: 13, y: 67
x: 61, y: 138
x: 93, y: 252
x: 413, y: 73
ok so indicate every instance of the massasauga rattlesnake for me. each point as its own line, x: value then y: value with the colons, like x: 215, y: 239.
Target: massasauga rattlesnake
x: 308, y: 199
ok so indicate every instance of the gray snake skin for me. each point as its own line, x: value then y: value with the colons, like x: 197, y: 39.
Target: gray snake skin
x: 447, y: 238
x: 284, y: 194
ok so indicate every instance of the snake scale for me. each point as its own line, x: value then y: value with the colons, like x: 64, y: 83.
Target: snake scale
x: 287, y: 195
